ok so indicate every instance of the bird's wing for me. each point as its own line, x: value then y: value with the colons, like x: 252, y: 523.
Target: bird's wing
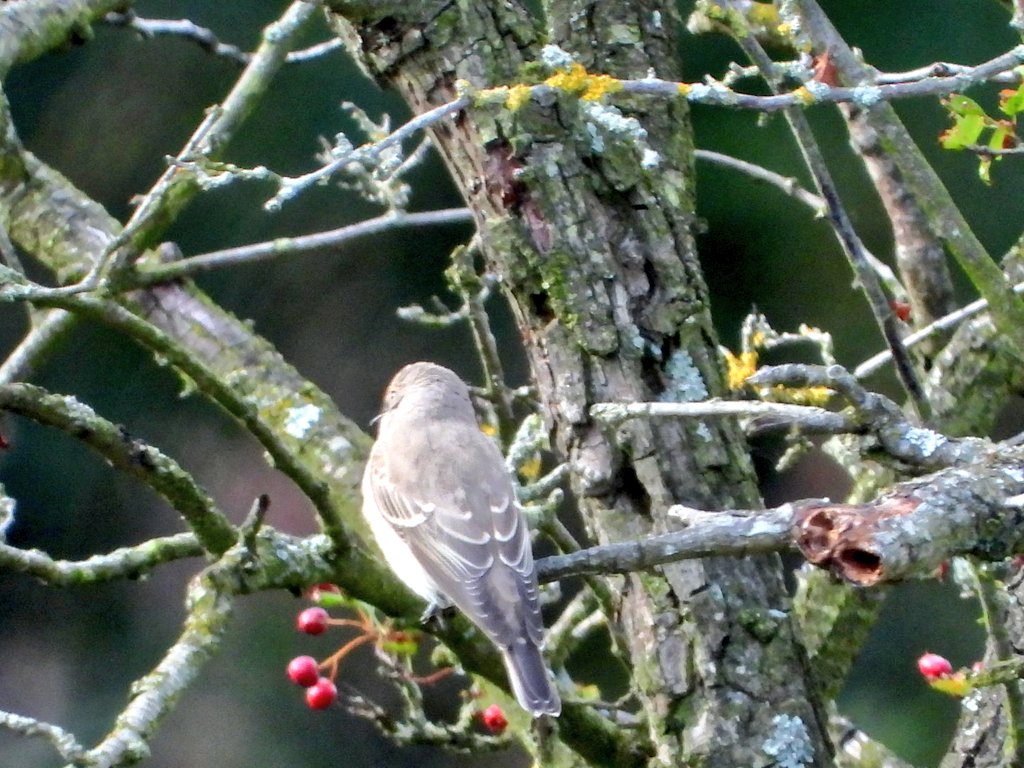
x: 470, y: 536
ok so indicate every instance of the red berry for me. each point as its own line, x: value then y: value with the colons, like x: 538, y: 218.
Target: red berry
x: 303, y: 670
x: 931, y: 665
x: 494, y: 719
x: 321, y: 694
x: 901, y: 309
x: 313, y: 621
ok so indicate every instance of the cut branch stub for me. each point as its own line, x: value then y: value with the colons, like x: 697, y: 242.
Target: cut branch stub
x: 844, y: 537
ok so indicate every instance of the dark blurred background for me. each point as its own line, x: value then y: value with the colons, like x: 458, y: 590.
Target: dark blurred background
x: 107, y: 113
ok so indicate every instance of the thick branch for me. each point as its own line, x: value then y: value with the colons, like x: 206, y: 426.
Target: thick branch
x: 127, y: 562
x: 129, y: 454
x: 907, y: 533
x: 30, y: 28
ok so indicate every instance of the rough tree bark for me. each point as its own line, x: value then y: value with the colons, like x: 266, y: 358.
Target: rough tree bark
x: 596, y: 255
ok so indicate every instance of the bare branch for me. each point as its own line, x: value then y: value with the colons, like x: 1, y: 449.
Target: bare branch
x: 920, y: 524
x: 767, y: 416
x: 717, y: 94
x: 844, y: 231
x: 907, y: 533
x: 365, y: 154
x: 288, y: 246
x: 64, y: 742
x: 205, y: 37
x: 126, y: 562
x: 154, y: 695
x: 32, y: 349
x: 709, y: 534
x: 920, y: 448
x: 133, y: 456
x: 952, y: 320
x: 944, y: 217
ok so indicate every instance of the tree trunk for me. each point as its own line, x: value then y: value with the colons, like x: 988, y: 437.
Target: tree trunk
x: 590, y: 234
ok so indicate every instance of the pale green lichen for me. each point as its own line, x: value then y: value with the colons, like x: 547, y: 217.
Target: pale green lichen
x: 685, y: 382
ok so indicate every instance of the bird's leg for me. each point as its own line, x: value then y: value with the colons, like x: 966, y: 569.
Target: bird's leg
x: 436, y: 609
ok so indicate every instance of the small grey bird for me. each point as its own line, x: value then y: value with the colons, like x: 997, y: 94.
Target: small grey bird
x: 441, y: 505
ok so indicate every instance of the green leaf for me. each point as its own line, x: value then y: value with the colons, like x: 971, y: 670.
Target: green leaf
x: 965, y: 132
x: 984, y: 169
x: 962, y: 105
x: 998, y: 138
x: 1012, y: 102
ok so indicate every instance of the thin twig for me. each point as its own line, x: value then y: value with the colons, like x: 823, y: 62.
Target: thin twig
x: 475, y: 290
x: 843, y: 229
x: 944, y: 217
x: 155, y: 694
x: 791, y: 186
x: 65, y: 743
x: 788, y: 184
x: 367, y: 153
x: 205, y: 37
x: 288, y: 246
x: 951, y: 320
x: 806, y: 418
x: 48, y: 331
x: 992, y: 598
x: 158, y: 207
x: 717, y: 94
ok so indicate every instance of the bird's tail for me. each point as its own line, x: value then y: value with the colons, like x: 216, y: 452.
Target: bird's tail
x: 530, y: 679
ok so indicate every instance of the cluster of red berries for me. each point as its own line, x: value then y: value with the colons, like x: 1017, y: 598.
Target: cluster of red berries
x: 321, y: 691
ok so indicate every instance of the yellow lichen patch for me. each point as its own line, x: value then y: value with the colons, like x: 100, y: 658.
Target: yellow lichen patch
x: 804, y: 96
x: 489, y: 429
x: 739, y: 367
x: 684, y: 89
x: 530, y: 469
x: 576, y: 79
x: 784, y: 29
x: 757, y: 339
x: 517, y: 96
x: 818, y: 396
x: 764, y: 13
x: 573, y: 79
x: 599, y: 85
